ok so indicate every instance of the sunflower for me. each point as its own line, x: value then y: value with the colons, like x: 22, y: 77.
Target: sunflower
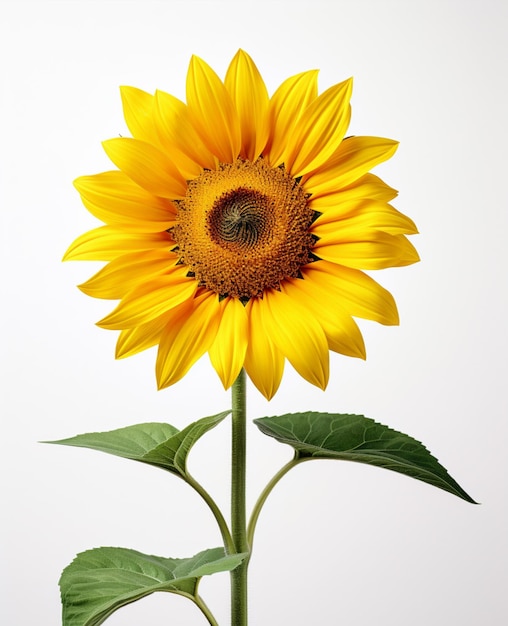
x: 240, y: 224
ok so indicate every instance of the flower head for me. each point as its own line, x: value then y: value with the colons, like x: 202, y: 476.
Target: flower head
x: 239, y: 225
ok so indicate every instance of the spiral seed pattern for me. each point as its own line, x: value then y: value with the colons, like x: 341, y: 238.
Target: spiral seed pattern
x: 244, y: 228
x: 239, y: 218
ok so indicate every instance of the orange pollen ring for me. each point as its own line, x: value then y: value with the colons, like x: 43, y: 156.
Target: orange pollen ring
x: 244, y: 228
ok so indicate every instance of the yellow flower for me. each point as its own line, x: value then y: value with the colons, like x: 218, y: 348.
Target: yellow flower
x: 239, y: 225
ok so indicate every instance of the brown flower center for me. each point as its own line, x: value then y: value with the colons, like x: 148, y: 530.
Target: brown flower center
x: 244, y: 228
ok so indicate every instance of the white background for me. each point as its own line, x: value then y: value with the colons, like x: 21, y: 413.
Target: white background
x: 337, y: 543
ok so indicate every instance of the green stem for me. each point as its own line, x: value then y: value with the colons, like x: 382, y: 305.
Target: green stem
x: 205, y: 610
x: 226, y: 535
x: 264, y: 495
x: 238, y: 504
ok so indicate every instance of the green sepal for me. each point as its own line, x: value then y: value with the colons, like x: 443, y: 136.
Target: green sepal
x: 154, y: 443
x: 360, y: 439
x: 102, y: 580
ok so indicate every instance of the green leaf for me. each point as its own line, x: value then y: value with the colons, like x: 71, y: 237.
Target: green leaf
x: 100, y: 581
x: 157, y: 444
x: 361, y: 439
x: 181, y: 444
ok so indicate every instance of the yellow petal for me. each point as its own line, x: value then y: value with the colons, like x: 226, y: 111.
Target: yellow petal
x: 107, y: 242
x: 286, y: 108
x: 115, y: 199
x: 367, y: 217
x: 186, y: 338
x: 138, y: 113
x: 151, y: 299
x: 354, y: 158
x: 368, y: 187
x: 249, y: 94
x: 376, y: 251
x: 320, y: 130
x: 212, y: 111
x: 227, y: 352
x: 147, y: 166
x: 354, y: 291
x: 179, y: 136
x: 264, y: 362
x: 127, y: 272
x: 134, y: 340
x: 297, y: 335
x: 341, y: 331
